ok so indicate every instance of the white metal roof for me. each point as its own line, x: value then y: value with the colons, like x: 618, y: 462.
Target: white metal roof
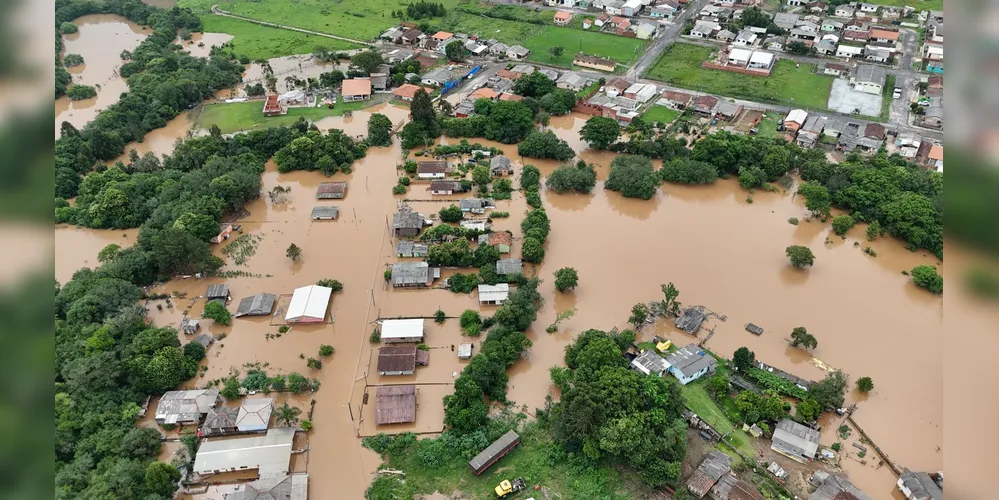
x: 740, y: 54
x: 270, y: 454
x: 309, y: 302
x: 632, y: 4
x: 797, y: 116
x: 764, y: 58
x: 489, y: 293
x: 402, y: 328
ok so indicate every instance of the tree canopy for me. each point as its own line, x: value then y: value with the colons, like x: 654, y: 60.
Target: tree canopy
x: 545, y: 145
x: 926, y: 276
x: 633, y: 177
x: 379, y: 130
x: 687, y: 171
x: 600, y: 132
x: 800, y: 256
x: 579, y: 177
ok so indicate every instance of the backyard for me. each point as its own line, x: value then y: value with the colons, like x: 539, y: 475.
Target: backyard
x: 662, y: 114
x: 701, y: 403
x: 244, y: 116
x: 262, y: 42
x: 680, y: 65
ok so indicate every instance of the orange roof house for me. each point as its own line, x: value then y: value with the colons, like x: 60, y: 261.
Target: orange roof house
x: 272, y: 107
x: 484, y: 93
x: 441, y: 36
x: 884, y: 34
x: 407, y: 91
x: 506, y: 96
x: 936, y: 152
x: 562, y: 18
x: 509, y: 75
x: 356, y: 89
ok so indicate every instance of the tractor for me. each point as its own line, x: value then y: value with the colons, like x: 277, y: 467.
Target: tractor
x: 507, y: 488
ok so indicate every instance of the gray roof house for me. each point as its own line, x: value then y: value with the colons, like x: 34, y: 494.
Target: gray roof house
x: 413, y: 274
x: 189, y: 326
x: 498, y: 48
x: 795, y: 441
x: 205, y: 339
x: 690, y: 363
x: 475, y: 205
x: 712, y: 468
x: 835, y: 488
x: 185, y: 407
x: 571, y: 81
x: 786, y: 21
x: 550, y: 73
x: 650, y: 362
x: 500, y: 165
x: 260, y: 304
x: 406, y: 222
x: 920, y: 486
x: 218, y: 292
x: 269, y: 455
x: 255, y: 415
x: 509, y: 266
x: 410, y: 248
x: 691, y: 319
x: 284, y: 487
x: 325, y: 213
x: 437, y: 76
x: 517, y: 52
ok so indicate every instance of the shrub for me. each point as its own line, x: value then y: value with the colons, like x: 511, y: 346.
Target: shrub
x: 463, y: 283
x: 284, y: 329
x: 78, y: 92
x: 331, y: 283
x: 471, y: 322
x: 314, y: 363
x: 375, y: 336
x: 450, y: 214
x: 800, y: 256
x: 566, y: 279
x: 440, y: 317
x: 633, y: 177
x: 926, y: 277
x: 71, y: 60
x: 841, y: 224
x: 306, y: 425
x: 793, y: 221
x: 398, y: 189
x: 404, y: 181
x: 68, y: 28
x: 194, y: 351
x: 687, y: 171
x: 388, y: 275
x: 580, y: 178
x: 874, y: 231
x: 216, y: 311
x: 865, y: 384
x: 499, y: 215
x: 530, y: 178
x: 326, y: 350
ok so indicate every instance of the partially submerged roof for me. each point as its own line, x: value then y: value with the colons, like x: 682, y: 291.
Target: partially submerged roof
x: 331, y: 190
x: 690, y: 320
x: 395, y: 404
x: 269, y: 454
x: 223, y: 417
x: 274, y: 487
x: 408, y: 273
x: 921, y: 486
x: 309, y: 302
x: 402, y: 328
x: 325, y: 212
x: 730, y: 487
x: 260, y: 304
x: 712, y: 468
x: 255, y: 414
x: 406, y: 218
x: 494, y: 293
x: 185, y: 406
x: 509, y: 266
x: 499, y: 164
x: 205, y: 339
x: 398, y: 358
x: 690, y: 359
x: 217, y: 292
x: 796, y: 439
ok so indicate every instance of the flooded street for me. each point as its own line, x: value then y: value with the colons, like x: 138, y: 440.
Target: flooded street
x: 100, y: 41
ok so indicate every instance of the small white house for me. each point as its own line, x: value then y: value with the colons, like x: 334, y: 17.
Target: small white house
x: 843, y: 11
x: 849, y: 51
x: 739, y: 57
x: 650, y: 363
x: 761, y: 60
x: 402, y: 330
x: 494, y: 294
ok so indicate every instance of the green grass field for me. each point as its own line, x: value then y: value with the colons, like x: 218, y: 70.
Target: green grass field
x: 245, y: 116
x: 917, y: 4
x: 261, y: 42
x: 768, y: 125
x: 660, y: 114
x: 701, y: 403
x: 621, y: 49
x: 680, y: 65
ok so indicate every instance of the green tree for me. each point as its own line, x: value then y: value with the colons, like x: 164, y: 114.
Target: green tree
x: 560, y: 317
x: 874, y: 231
x: 545, y: 145
x: 440, y: 316
x: 532, y: 250
x: 670, y: 294
x: 556, y: 51
x: 807, y: 410
x: 509, y: 122
x: 217, y: 311
x: 566, y: 279
x: 455, y: 51
x: 841, y: 224
x: 367, y: 61
x: 293, y: 252
x: 743, y: 359
x: 194, y: 351
x: 533, y: 85
x: 830, y: 391
x: 717, y: 385
x: 108, y: 253
x: 314, y: 364
x: 287, y: 415
x: 817, y: 198
x: 330, y: 283
x: 452, y: 213
x: 326, y: 350
x: 379, y: 130
x: 161, y: 479
x: 865, y: 384
x: 639, y: 314
x: 580, y: 178
x: 68, y: 28
x: 422, y: 112
x: 600, y: 132
x: 71, y: 60
x: 801, y: 337
x: 481, y: 175
x: 530, y: 178
x: 687, y: 171
x: 751, y: 177
x: 202, y: 227
x: 800, y: 256
x: 78, y: 92
x: 471, y: 322
x: 633, y: 177
x: 927, y: 277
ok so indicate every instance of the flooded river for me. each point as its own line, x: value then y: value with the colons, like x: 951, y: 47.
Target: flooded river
x: 720, y: 251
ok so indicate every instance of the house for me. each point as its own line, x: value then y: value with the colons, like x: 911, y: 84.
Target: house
x: 331, y: 190
x: 645, y: 31
x: 663, y: 11
x: 814, y: 124
x: 550, y: 73
x: 185, y: 407
x: 834, y: 488
x: 509, y: 266
x: 286, y: 487
x: 831, y: 37
x: 410, y: 37
x: 464, y: 351
x: 935, y: 158
x: 848, y: 51
x: 774, y: 42
x: 834, y: 69
x: 933, y: 52
x: 393, y: 34
x: 868, y: 7
x: 443, y: 36
x: 379, y: 81
x: 494, y: 294
x: 796, y: 3
x: 631, y: 8
x: 475, y: 224
x: 786, y: 21
x: 475, y: 205
x: 730, y: 487
x: 745, y: 38
x: 825, y: 47
x: 398, y: 56
x: 884, y: 35
x: 219, y: 293
x: 795, y: 441
x: 908, y: 145
x: 725, y: 36
x: 295, y: 97
x: 572, y: 82
x: 804, y: 35
x: 438, y: 77
x: 254, y: 415
x: 325, y: 213
x: 273, y: 107
x: 806, y: 139
x: 395, y: 404
x: 496, y: 450
x: 413, y: 274
x: 517, y: 52
x: 622, y: 27
x: 832, y: 26
x: 614, y: 7
x: 594, y: 62
x: 431, y: 169
x: 677, y: 100
x: 406, y: 222
x: 502, y: 240
x: 309, y: 304
x: 705, y: 105
x: 464, y: 109
x: 834, y: 127
x: 356, y: 89
x: 935, y: 67
x: 190, y: 326
x: 869, y: 78
x: 395, y: 331
x: 711, y: 469
x: 844, y: 10
x: 641, y: 92
x: 220, y: 421
x: 739, y: 57
x: 795, y: 119
x: 269, y: 455
x: 876, y: 55
x: 562, y: 18
x: 407, y: 92
x: 225, y: 229
x: 807, y: 26
x: 856, y: 36
x: 498, y: 49
x: 690, y: 363
x: 397, y: 360
x: 500, y: 166
x: 704, y: 29
x: 818, y: 8
x: 761, y: 60
x: 920, y: 486
x: 410, y: 248
x: 728, y: 110
x: 441, y: 187
x: 522, y: 70
x: 650, y: 363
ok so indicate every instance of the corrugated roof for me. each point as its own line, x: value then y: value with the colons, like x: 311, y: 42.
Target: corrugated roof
x: 690, y: 359
x: 275, y: 487
x: 497, y: 447
x: 256, y: 305
x: 325, y: 212
x: 268, y: 454
x: 395, y: 404
x: 309, y: 302
x: 651, y: 361
x: 217, y: 292
x: 408, y: 273
x: 401, y: 328
x: 712, y: 468
x: 494, y: 293
x: 796, y: 439
x: 509, y: 266
x: 397, y: 358
x: 185, y: 406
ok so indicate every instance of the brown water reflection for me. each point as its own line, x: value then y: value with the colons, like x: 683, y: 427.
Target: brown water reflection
x: 100, y: 40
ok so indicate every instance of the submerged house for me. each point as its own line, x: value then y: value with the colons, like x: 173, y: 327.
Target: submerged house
x: 410, y: 248
x: 494, y: 294
x: 509, y: 266
x: 219, y: 293
x: 395, y: 404
x: 309, y: 304
x: 500, y: 166
x: 400, y: 359
x: 413, y: 274
x: 795, y: 441
x: 691, y: 319
x: 406, y: 222
x: 186, y: 407
x: 274, y: 486
x: 331, y: 190
x: 690, y: 363
x: 260, y: 304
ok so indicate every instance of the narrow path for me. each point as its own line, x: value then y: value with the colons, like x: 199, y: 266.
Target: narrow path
x: 219, y: 12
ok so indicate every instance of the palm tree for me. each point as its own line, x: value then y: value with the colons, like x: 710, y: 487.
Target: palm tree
x: 287, y: 415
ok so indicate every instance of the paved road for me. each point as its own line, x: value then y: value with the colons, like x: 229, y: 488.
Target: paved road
x: 665, y: 40
x: 219, y: 12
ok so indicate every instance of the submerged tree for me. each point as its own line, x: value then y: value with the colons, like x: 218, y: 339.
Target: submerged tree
x: 294, y: 252
x: 801, y: 337
x: 286, y: 415
x: 800, y: 256
x: 560, y: 317
x: 865, y: 384
x: 566, y: 279
x: 671, y: 306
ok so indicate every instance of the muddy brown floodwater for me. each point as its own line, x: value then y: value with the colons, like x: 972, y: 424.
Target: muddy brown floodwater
x: 100, y: 41
x: 719, y: 250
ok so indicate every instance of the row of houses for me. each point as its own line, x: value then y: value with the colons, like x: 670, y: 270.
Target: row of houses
x: 687, y: 364
x: 620, y: 100
x: 656, y: 9
x: 932, y: 51
x: 409, y: 34
x: 622, y: 26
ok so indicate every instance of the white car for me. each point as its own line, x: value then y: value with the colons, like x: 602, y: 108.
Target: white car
x: 897, y: 93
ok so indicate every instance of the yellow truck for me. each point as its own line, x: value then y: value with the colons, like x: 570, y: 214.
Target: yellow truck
x: 507, y: 487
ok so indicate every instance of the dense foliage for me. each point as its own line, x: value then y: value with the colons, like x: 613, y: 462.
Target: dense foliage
x: 71, y: 60
x: 609, y: 412
x: 379, y: 130
x: 508, y: 122
x: 328, y: 153
x: 536, y: 227
x: 801, y: 337
x: 424, y: 125
x: 687, y: 171
x: 580, y: 178
x: 664, y: 147
x: 633, y: 177
x: 600, y: 132
x: 743, y: 359
x: 800, y: 256
x: 927, y: 277
x: 830, y: 392
x: 774, y: 382
x: 458, y: 253
x: 557, y: 102
x: 535, y: 85
x: 566, y: 279
x: 545, y: 145
x: 78, y: 92
x: 841, y: 224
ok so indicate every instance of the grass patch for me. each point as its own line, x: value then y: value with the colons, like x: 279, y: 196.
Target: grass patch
x: 918, y: 4
x: 621, y: 49
x: 242, y: 116
x: 886, y: 99
x: 262, y: 42
x: 588, y: 90
x: 658, y: 113
x: 680, y: 65
x: 701, y: 403
x: 768, y: 125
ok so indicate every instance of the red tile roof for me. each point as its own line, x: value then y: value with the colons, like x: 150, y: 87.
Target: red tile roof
x: 356, y: 86
x: 407, y: 91
x: 506, y: 96
x: 484, y: 93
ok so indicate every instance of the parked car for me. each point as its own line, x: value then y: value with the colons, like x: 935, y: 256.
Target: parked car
x: 897, y: 93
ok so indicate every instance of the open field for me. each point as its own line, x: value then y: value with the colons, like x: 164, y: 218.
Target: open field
x: 518, y: 13
x: 660, y: 114
x: 359, y: 20
x: 701, y: 403
x: 680, y: 65
x: 245, y: 116
x: 917, y: 4
x: 263, y: 42
x: 768, y: 125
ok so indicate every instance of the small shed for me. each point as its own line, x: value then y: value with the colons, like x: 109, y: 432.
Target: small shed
x: 410, y: 248
x: 795, y: 441
x: 445, y: 187
x: 395, y: 404
x: 205, y: 339
x: 464, y: 351
x: 189, y: 326
x: 494, y: 294
x: 509, y: 266
x: 309, y: 304
x: 500, y: 166
x: 218, y: 292
x: 331, y: 191
x: 225, y: 229
x: 494, y: 452
x: 397, y: 360
x: 691, y: 319
x: 260, y: 304
x: 325, y: 213
x: 402, y: 330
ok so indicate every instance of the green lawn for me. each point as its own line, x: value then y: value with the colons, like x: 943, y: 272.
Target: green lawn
x: 886, y: 99
x: 917, y: 4
x: 768, y: 125
x: 701, y: 403
x: 660, y: 114
x: 680, y: 65
x: 244, y: 116
x: 262, y: 42
x: 621, y: 49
